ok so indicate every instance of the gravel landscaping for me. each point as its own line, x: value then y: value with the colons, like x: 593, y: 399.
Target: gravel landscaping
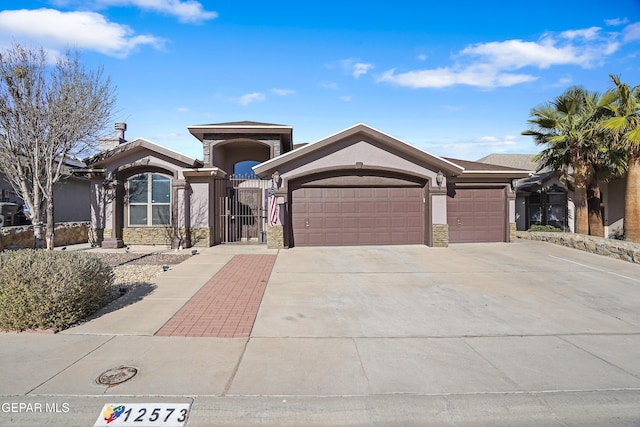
x: 138, y: 269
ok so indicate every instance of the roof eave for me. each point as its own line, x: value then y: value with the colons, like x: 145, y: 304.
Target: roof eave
x: 272, y: 164
x: 216, y: 172
x: 141, y: 143
x: 200, y: 130
x: 494, y: 174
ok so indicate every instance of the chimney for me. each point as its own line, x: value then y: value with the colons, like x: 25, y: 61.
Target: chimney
x: 120, y: 129
x: 110, y: 143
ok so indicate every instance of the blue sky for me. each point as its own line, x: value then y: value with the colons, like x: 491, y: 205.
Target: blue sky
x: 457, y: 79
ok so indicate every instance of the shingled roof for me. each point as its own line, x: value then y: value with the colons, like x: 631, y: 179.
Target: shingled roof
x: 481, y: 166
x: 517, y: 161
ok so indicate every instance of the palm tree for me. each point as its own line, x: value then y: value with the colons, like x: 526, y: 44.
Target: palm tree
x: 567, y: 127
x: 624, y: 126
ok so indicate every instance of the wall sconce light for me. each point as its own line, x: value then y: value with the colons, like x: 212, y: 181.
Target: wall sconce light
x: 276, y: 179
x: 439, y: 179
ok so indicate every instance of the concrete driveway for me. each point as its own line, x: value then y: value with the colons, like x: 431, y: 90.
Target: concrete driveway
x: 526, y: 317
x: 466, y: 290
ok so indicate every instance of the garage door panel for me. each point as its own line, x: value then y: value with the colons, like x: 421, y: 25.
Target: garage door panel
x: 365, y: 193
x: 477, y: 215
x: 357, y: 216
x: 381, y: 193
x: 332, y: 223
x: 349, y: 207
x: 366, y: 207
x: 366, y: 223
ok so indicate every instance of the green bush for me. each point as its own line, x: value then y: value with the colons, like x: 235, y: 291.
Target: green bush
x: 51, y: 289
x: 545, y: 228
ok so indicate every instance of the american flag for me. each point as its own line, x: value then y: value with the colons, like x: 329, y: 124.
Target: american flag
x: 273, y: 211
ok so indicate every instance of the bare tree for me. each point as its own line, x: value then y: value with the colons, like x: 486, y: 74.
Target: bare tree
x: 47, y: 114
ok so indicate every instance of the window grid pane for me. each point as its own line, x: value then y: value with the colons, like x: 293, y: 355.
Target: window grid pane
x: 138, y: 214
x: 149, y: 200
x: 138, y: 189
x: 161, y: 214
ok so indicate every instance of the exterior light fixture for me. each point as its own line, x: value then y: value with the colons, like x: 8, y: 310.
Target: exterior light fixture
x: 439, y: 179
x: 276, y: 179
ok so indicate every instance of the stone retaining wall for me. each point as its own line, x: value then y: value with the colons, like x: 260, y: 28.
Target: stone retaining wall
x: 617, y: 249
x: 66, y: 233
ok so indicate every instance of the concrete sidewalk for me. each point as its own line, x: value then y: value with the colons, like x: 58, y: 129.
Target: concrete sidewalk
x: 466, y: 335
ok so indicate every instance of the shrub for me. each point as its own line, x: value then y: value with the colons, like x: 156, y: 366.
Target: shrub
x: 545, y: 228
x: 51, y: 289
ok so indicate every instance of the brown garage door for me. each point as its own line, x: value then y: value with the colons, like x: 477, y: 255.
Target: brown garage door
x: 357, y: 216
x: 476, y: 215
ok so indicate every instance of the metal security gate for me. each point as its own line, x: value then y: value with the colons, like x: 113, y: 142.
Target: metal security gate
x: 242, y: 209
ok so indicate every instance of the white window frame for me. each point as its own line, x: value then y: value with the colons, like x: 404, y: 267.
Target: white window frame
x: 149, y: 203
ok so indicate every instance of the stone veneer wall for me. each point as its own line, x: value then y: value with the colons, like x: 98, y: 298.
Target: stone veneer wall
x: 617, y: 249
x: 275, y: 237
x: 440, y: 235
x: 66, y: 233
x: 200, y: 237
x: 512, y: 232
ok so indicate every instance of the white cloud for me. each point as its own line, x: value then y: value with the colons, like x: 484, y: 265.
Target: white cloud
x: 616, y: 21
x: 346, y: 98
x: 478, y: 75
x: 360, y: 69
x: 182, y: 109
x: 631, y: 32
x: 421, y: 57
x: 56, y: 30
x: 586, y: 33
x: 249, y: 98
x: 563, y: 82
x: 496, y: 64
x: 515, y: 54
x: 353, y: 67
x: 330, y: 85
x: 478, y: 147
x: 283, y: 92
x: 189, y: 11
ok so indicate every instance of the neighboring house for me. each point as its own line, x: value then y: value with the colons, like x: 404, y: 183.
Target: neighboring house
x: 71, y: 195
x: 359, y: 186
x: 545, y: 198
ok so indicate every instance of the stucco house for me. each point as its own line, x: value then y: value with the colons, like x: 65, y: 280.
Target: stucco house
x: 71, y: 195
x: 544, y: 198
x: 359, y: 186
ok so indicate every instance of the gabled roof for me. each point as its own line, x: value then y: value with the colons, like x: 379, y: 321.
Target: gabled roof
x: 360, y: 128
x: 105, y: 157
x: 517, y: 161
x: 478, y: 170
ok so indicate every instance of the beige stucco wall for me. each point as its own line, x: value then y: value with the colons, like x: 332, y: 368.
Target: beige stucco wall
x: 439, y: 209
x: 202, y: 202
x: 614, y: 192
x: 346, y: 154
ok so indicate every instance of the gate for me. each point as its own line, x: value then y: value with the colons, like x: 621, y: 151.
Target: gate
x: 242, y: 209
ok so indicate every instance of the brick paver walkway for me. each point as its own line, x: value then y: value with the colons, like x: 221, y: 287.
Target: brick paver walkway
x: 227, y: 305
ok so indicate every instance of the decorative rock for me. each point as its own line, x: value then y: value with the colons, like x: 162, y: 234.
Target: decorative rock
x: 618, y: 249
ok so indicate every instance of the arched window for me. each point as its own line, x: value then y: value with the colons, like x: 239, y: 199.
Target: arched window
x: 243, y: 169
x: 149, y: 199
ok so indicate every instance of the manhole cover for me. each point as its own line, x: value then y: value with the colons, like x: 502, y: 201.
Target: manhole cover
x: 115, y: 376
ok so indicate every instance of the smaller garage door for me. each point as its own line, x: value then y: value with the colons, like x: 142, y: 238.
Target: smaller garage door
x: 476, y: 215
x: 357, y: 216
